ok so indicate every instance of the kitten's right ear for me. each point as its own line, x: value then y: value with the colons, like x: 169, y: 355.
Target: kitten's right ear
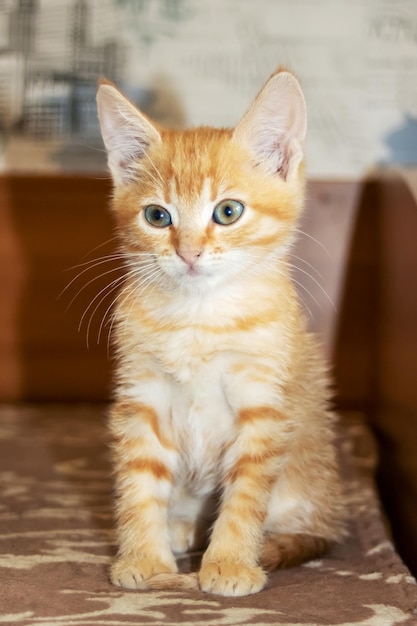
x: 126, y: 132
x: 274, y: 128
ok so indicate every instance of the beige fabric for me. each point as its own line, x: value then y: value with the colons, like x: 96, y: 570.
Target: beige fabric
x: 56, y: 541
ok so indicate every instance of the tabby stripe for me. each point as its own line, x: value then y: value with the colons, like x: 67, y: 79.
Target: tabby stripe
x: 132, y: 514
x: 151, y: 466
x: 253, y: 468
x: 243, y: 368
x: 258, y: 413
x: 245, y: 507
x: 124, y: 411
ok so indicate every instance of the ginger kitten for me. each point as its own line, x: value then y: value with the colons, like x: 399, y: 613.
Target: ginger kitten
x: 221, y: 429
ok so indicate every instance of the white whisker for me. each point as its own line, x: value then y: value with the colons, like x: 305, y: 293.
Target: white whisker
x: 90, y: 265
x: 97, y: 261
x: 132, y: 273
x: 137, y: 283
x: 310, y: 265
x: 98, y: 277
x: 107, y: 290
x: 101, y: 245
x: 316, y: 282
x: 120, y: 296
x: 323, y: 247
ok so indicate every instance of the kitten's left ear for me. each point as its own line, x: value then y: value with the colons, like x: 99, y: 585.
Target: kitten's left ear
x: 126, y: 132
x: 275, y: 126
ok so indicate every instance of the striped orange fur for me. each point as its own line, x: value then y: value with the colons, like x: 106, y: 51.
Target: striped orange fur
x: 222, y: 433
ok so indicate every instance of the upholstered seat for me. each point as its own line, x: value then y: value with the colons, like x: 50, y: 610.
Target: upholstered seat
x: 357, y: 263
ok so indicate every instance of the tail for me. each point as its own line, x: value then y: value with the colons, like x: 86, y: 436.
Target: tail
x: 173, y: 582
x: 287, y: 550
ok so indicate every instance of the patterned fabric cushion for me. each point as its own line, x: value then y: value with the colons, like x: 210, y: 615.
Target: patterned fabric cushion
x: 56, y: 541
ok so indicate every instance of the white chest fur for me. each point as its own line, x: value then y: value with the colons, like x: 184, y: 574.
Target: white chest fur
x: 201, y: 421
x: 194, y: 376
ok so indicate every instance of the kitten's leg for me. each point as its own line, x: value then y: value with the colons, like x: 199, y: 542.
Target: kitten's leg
x: 144, y: 464
x: 230, y: 564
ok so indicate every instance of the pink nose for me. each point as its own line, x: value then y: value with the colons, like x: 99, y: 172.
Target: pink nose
x: 189, y: 255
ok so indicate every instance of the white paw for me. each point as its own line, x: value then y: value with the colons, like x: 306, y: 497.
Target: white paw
x: 133, y: 572
x: 229, y: 578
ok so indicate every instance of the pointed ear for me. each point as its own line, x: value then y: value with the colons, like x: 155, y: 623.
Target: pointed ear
x: 126, y: 132
x: 274, y: 128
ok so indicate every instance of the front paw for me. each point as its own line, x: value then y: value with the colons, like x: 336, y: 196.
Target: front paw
x: 132, y: 572
x: 230, y: 578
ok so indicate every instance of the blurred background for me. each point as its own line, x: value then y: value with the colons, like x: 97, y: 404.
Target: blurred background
x: 189, y: 62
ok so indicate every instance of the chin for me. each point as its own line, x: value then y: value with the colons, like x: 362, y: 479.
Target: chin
x: 199, y: 283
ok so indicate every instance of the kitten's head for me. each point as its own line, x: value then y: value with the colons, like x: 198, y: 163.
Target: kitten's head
x: 197, y: 207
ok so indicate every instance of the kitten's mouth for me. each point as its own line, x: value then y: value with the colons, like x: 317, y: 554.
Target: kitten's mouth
x: 195, y: 274
x: 193, y: 271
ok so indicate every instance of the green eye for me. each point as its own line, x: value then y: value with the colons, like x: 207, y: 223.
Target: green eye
x: 157, y: 216
x: 227, y: 212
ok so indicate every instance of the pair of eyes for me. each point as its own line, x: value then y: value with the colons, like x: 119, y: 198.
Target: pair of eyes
x: 225, y: 213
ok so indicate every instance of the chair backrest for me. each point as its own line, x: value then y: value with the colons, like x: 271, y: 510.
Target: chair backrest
x: 49, y: 224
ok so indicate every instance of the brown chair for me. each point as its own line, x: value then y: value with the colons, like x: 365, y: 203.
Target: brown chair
x: 356, y: 266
